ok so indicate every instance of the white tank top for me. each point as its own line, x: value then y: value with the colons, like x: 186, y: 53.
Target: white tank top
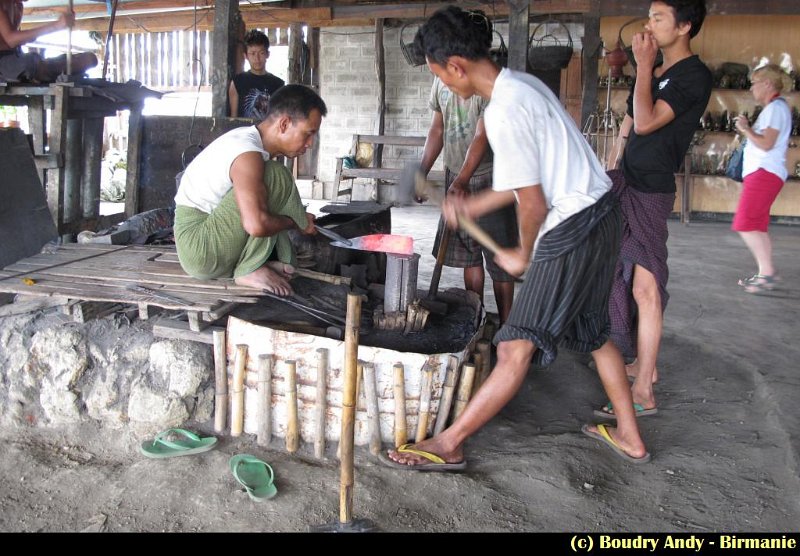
x: 208, y: 177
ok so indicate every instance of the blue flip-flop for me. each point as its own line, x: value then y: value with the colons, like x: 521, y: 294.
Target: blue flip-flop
x: 176, y: 442
x: 255, y: 475
x: 607, y: 411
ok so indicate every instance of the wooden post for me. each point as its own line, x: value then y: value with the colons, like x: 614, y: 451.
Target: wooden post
x: 135, y: 122
x: 591, y: 56
x: 295, y: 74
x: 73, y: 163
x: 373, y: 412
x: 92, y: 161
x: 464, y: 389
x: 400, y: 427
x: 424, y: 404
x: 237, y: 395
x: 69, y: 41
x: 109, y: 34
x: 223, y: 55
x: 321, y: 407
x: 57, y: 137
x: 380, y: 70
x: 264, y: 399
x: 221, y: 381
x: 292, y: 432
x: 346, y: 476
x: 37, y: 125
x: 518, y: 27
x: 447, y: 395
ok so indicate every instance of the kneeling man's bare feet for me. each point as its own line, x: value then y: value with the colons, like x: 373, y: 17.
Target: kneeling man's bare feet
x: 273, y: 278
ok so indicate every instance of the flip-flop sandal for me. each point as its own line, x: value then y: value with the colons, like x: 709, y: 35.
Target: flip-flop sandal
x: 254, y: 475
x: 176, y: 442
x: 607, y: 411
x: 759, y: 283
x: 435, y: 462
x: 603, y: 436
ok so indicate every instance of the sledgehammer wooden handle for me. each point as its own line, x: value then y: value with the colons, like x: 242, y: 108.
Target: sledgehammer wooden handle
x: 477, y: 233
x: 424, y: 187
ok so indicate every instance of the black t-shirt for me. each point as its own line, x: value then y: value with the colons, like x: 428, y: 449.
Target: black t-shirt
x: 254, y: 89
x: 650, y: 161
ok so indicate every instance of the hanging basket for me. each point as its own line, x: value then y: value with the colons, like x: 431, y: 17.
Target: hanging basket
x: 412, y: 55
x: 500, y: 54
x: 547, y: 52
x: 629, y: 49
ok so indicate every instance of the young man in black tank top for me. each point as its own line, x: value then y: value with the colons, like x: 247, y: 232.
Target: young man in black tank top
x: 664, y: 109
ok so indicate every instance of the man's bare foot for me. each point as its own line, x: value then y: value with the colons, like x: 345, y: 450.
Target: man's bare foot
x: 431, y: 446
x: 632, y: 371
x: 273, y: 278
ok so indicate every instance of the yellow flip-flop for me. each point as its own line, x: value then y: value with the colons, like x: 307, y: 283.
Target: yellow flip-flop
x: 436, y: 462
x: 603, y: 436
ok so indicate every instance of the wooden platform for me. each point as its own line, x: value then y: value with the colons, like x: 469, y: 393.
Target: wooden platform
x: 112, y: 274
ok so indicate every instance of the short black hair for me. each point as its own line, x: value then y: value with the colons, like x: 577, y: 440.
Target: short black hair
x: 452, y: 31
x: 254, y: 37
x: 296, y: 101
x: 692, y: 12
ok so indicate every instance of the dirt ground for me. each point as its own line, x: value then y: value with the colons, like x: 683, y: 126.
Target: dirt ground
x: 724, y: 443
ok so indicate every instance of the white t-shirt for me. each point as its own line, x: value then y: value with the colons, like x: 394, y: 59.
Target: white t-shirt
x: 208, y: 177
x: 536, y: 142
x: 776, y: 115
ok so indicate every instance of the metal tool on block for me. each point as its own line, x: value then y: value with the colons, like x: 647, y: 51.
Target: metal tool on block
x: 381, y: 243
x: 414, y: 186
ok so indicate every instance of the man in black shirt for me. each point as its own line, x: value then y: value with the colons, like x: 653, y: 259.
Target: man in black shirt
x: 664, y: 109
x: 250, y: 91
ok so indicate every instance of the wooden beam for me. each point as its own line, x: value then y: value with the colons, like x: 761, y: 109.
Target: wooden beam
x: 131, y: 20
x: 714, y: 7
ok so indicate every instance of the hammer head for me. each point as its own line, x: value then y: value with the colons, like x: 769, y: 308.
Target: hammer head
x: 413, y: 186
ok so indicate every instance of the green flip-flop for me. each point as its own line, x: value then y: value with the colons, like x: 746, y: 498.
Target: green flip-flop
x: 176, y: 442
x: 254, y: 475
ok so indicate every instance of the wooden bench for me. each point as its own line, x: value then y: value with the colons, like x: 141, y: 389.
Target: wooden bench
x: 375, y: 171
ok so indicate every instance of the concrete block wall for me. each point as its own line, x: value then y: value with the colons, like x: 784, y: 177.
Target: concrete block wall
x: 349, y: 86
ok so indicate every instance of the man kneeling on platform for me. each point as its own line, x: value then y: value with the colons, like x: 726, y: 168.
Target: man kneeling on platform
x: 234, y: 204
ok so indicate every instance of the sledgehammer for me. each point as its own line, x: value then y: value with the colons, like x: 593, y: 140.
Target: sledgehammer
x: 414, y: 186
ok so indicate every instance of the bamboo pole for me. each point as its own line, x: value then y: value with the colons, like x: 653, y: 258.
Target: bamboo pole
x: 221, y: 381
x: 400, y: 430
x: 322, y: 277
x: 423, y: 415
x: 237, y: 396
x: 292, y: 433
x: 484, y: 348
x: 264, y: 400
x: 321, y: 407
x: 446, y: 401
x: 464, y: 388
x: 373, y: 412
x: 346, y: 477
x: 477, y: 361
